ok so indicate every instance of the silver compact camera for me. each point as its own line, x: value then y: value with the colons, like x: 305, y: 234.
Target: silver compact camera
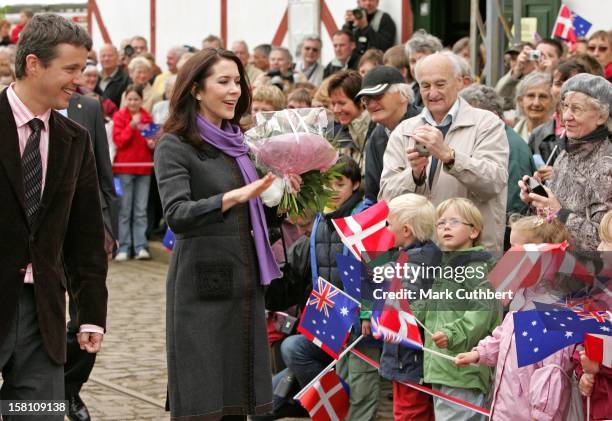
x: 535, y: 55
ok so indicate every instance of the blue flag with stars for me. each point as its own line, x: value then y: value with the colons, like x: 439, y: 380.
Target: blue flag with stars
x: 351, y: 275
x: 577, y: 321
x: 534, y: 341
x: 328, y: 317
x: 581, y: 25
x: 169, y: 239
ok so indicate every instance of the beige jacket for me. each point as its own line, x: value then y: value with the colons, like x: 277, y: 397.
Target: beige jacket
x: 480, y: 171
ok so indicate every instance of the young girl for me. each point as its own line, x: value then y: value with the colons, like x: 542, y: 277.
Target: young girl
x: 132, y: 147
x: 458, y: 325
x: 412, y: 220
x: 539, y: 391
x: 596, y: 379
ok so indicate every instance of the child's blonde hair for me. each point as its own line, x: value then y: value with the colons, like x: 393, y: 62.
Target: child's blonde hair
x: 416, y: 211
x: 536, y: 229
x: 467, y: 210
x: 605, y: 227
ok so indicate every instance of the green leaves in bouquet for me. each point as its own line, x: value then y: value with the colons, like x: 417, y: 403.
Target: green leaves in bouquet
x: 314, y: 194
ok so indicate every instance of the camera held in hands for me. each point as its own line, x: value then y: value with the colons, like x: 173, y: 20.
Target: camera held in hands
x: 357, y: 13
x: 128, y: 51
x: 534, y: 186
x: 535, y: 55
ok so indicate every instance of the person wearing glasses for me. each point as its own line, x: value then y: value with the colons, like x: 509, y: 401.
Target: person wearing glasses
x: 308, y: 69
x: 599, y: 46
x: 580, y: 191
x: 450, y: 150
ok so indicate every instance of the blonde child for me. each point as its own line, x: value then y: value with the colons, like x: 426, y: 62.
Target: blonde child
x: 539, y: 391
x: 458, y: 325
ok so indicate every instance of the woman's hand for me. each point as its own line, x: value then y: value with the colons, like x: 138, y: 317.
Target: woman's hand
x: 540, y: 202
x: 151, y: 143
x: 466, y: 358
x: 544, y: 173
x: 296, y: 182
x: 246, y: 193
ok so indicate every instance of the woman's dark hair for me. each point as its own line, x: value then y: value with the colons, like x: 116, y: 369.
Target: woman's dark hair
x: 569, y: 68
x: 135, y: 88
x: 191, y: 78
x: 349, y: 81
x: 349, y: 168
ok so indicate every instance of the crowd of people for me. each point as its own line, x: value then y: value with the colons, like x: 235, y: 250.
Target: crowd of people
x: 466, y: 169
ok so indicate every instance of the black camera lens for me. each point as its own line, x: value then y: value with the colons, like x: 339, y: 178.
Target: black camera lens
x: 358, y: 13
x: 128, y: 50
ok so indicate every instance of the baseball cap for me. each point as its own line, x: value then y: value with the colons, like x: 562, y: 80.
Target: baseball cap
x: 378, y: 80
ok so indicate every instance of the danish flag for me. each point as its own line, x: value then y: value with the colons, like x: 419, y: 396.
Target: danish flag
x: 598, y: 348
x: 564, y: 25
x: 366, y: 234
x: 396, y: 323
x: 327, y: 399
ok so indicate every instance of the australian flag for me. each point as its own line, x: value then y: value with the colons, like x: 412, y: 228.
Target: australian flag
x: 577, y: 321
x: 351, y: 274
x: 169, y: 239
x: 581, y: 25
x: 328, y: 317
x: 149, y: 130
x: 535, y: 341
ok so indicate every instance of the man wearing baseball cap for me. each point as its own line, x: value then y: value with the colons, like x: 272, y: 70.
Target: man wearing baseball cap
x: 389, y: 100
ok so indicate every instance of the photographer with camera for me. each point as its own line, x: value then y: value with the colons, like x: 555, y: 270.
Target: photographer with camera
x: 280, y: 72
x: 371, y: 27
x: 543, y: 57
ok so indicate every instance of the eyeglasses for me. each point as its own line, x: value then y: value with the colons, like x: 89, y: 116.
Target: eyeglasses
x: 313, y: 49
x: 365, y: 100
x: 453, y: 222
x: 600, y: 48
x: 576, y: 110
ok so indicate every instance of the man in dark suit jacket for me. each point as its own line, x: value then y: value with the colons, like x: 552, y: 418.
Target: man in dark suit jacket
x: 87, y: 112
x: 50, y: 219
x: 113, y: 79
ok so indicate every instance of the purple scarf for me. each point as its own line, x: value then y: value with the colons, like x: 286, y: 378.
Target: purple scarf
x: 230, y: 141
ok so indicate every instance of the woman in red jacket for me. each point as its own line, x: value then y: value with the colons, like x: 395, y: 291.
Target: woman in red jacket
x: 132, y: 147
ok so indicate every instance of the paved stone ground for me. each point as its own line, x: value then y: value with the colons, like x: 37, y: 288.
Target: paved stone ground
x: 133, y: 358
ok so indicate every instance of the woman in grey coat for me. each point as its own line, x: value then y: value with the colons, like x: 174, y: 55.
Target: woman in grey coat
x: 216, y: 332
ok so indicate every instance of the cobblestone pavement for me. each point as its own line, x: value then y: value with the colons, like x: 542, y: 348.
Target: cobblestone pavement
x: 128, y: 382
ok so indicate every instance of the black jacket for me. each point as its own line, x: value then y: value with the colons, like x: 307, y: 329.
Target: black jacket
x: 397, y: 362
x: 115, y: 87
x: 332, y: 67
x: 383, y: 38
x: 542, y: 141
x: 375, y: 150
x: 296, y: 283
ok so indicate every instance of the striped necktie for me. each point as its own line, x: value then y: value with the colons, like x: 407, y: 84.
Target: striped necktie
x: 32, y: 170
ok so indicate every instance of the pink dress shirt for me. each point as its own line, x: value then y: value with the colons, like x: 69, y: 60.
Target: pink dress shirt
x: 22, y: 115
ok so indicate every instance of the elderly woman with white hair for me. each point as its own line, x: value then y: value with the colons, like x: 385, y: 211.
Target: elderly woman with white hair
x: 141, y: 72
x: 534, y: 103
x: 581, y: 192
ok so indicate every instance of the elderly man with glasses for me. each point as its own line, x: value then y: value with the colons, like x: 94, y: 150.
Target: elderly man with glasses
x: 309, y: 69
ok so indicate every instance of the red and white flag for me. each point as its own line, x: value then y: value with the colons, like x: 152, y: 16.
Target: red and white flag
x: 366, y: 234
x: 599, y: 348
x: 327, y: 399
x: 564, y: 25
x: 523, y: 266
x: 396, y: 323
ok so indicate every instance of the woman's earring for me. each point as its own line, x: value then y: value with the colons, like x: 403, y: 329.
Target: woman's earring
x: 198, y: 98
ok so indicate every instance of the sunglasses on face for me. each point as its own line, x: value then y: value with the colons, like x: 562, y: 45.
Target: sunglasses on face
x: 313, y: 49
x: 600, y: 48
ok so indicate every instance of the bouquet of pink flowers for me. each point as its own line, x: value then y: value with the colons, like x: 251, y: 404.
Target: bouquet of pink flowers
x: 295, y: 142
